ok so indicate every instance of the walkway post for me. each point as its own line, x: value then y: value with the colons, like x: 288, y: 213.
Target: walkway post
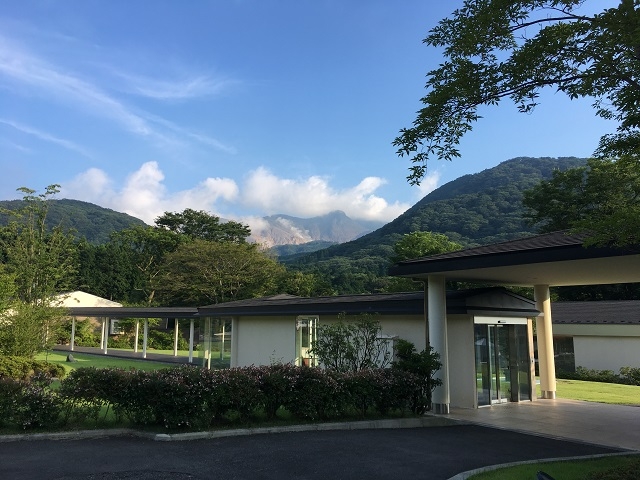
x: 105, y: 335
x: 425, y: 306
x: 175, y: 339
x: 73, y: 333
x: 191, y: 341
x: 145, y: 334
x: 135, y: 345
x: 544, y: 333
x: 437, y: 315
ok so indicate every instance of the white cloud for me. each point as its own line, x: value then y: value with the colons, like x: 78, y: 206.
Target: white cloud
x: 28, y: 69
x: 51, y: 81
x: 314, y: 196
x: 145, y: 195
x: 428, y: 184
x: 184, y: 89
x: 46, y: 137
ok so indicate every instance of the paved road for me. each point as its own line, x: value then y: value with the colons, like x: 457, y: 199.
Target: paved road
x: 429, y: 453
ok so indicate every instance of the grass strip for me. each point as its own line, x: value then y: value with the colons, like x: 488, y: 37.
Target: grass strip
x: 567, y: 470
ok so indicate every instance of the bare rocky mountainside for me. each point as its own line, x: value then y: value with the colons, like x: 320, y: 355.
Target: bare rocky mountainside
x: 334, y: 227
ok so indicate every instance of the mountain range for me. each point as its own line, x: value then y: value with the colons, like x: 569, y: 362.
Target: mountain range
x: 472, y: 210
x: 475, y: 209
x: 324, y: 230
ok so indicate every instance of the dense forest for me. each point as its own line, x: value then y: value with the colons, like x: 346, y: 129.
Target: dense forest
x: 121, y: 258
x: 87, y: 220
x: 472, y: 210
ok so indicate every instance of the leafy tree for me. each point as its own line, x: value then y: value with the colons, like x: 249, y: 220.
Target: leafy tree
x: 145, y: 248
x: 601, y: 199
x: 200, y: 224
x: 497, y: 49
x: 352, y: 344
x: 201, y: 272
x: 416, y: 245
x: 38, y: 263
x: 422, y: 244
x: 110, y: 271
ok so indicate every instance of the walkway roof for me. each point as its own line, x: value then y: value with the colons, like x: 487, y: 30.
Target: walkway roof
x: 133, y: 312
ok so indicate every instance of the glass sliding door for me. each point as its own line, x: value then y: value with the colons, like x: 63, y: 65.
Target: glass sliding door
x: 502, y: 363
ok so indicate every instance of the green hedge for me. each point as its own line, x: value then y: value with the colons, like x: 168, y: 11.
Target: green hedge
x: 626, y: 375
x: 193, y: 398
x: 23, y: 368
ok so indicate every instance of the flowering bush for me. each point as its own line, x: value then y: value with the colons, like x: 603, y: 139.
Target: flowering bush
x: 194, y: 398
x: 28, y: 403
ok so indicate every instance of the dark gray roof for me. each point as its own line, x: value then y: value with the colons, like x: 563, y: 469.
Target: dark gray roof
x: 410, y: 303
x: 614, y: 312
x: 133, y: 312
x: 553, y: 259
x: 538, y: 248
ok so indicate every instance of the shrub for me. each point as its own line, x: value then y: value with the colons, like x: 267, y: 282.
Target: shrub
x: 423, y: 365
x: 85, y: 335
x: 179, y: 402
x: 121, y: 341
x: 159, y: 340
x: 28, y: 403
x: 38, y: 407
x: 236, y: 391
x: 630, y: 375
x: 190, y: 397
x: 315, y: 394
x: 23, y: 368
x: 352, y: 345
x: 626, y: 375
x: 274, y: 381
x: 10, y: 391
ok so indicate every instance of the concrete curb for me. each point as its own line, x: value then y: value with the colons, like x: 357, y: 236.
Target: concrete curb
x: 490, y: 468
x: 420, y: 422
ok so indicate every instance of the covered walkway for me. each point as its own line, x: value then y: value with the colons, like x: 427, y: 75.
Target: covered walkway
x: 615, y: 426
x: 128, y: 354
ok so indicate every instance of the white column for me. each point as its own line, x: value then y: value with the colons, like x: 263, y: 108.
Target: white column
x: 73, y: 333
x: 207, y: 344
x: 224, y: 324
x: 145, y: 333
x: 191, y: 340
x: 105, y: 335
x: 544, y: 333
x: 437, y: 315
x: 175, y: 339
x: 425, y: 306
x: 234, y: 342
x: 137, y: 335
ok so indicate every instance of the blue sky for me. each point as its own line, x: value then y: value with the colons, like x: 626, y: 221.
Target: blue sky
x: 242, y: 108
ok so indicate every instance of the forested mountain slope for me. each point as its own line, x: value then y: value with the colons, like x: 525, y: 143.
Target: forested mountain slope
x: 476, y: 209
x: 87, y: 219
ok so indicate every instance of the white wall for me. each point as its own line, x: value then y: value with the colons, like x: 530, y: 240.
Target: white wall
x: 606, y: 353
x: 263, y: 340
x: 603, y: 347
x: 407, y: 327
x: 462, y: 362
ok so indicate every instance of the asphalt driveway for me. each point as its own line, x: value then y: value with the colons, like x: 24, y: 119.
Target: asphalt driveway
x: 420, y: 453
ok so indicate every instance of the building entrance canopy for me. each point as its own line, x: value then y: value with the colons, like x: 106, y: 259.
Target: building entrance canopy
x: 554, y: 259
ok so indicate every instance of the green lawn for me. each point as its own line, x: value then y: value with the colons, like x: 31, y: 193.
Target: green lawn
x: 598, y: 392
x: 570, y: 470
x: 84, y: 360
